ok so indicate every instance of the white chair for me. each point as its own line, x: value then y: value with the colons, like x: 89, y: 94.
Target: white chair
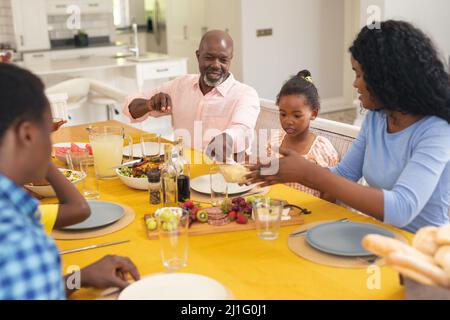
x: 341, y: 135
x: 77, y: 91
x: 105, y: 95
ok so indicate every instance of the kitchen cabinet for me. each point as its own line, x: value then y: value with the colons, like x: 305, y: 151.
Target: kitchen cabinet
x: 185, y: 27
x: 188, y: 20
x: 59, y: 7
x: 83, y: 53
x: 96, y: 6
x: 30, y: 25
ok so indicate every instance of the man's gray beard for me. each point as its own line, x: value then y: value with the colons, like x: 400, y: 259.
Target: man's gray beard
x: 215, y: 83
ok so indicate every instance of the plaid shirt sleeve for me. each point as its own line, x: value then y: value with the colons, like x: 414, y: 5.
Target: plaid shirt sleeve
x: 30, y: 267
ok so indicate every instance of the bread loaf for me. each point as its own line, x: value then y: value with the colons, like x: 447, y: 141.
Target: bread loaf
x: 234, y: 173
x: 420, y: 278
x: 384, y: 246
x: 419, y: 266
x: 443, y: 235
x: 425, y: 240
x: 442, y: 256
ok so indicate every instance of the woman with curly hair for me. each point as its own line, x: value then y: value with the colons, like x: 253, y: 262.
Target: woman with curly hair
x: 403, y: 149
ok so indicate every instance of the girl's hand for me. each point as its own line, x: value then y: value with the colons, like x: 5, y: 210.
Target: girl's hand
x: 57, y: 125
x: 290, y: 169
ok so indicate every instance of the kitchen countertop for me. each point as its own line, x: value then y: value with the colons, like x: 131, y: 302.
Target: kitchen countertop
x: 60, y: 66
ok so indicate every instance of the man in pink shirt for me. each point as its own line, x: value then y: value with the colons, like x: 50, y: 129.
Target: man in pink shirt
x: 212, y: 111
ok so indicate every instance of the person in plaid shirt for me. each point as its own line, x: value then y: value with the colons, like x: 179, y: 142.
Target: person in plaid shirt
x: 30, y: 267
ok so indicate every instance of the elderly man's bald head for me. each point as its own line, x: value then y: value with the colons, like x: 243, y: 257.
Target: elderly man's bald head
x: 214, y: 58
x: 216, y: 38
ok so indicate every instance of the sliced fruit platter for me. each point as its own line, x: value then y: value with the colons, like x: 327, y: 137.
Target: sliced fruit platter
x: 236, y: 215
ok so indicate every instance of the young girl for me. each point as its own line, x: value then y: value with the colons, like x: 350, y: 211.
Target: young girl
x: 298, y: 101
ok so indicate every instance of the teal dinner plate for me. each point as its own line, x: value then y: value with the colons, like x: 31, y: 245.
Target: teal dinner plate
x: 102, y: 214
x: 343, y: 238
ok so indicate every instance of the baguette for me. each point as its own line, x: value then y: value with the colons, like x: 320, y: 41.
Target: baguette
x: 443, y: 235
x: 384, y: 246
x: 428, y: 270
x: 420, y: 278
x: 442, y: 256
x: 425, y: 240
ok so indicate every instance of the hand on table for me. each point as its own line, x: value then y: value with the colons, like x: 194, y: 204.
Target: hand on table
x: 160, y: 102
x: 110, y: 271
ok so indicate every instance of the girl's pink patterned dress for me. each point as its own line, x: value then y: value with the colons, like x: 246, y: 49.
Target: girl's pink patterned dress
x: 322, y: 152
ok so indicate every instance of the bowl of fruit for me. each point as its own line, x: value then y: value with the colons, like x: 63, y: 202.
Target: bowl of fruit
x: 78, y: 151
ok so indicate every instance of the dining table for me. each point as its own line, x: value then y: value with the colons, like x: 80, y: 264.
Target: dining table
x: 251, y: 268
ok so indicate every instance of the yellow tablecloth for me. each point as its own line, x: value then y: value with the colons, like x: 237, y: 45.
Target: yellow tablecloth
x: 251, y: 268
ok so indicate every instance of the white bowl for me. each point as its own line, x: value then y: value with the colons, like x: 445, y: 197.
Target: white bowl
x: 62, y: 158
x: 48, y: 191
x: 134, y: 183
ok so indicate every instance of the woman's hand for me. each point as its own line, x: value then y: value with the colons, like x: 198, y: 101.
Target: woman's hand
x: 110, y: 271
x: 290, y: 169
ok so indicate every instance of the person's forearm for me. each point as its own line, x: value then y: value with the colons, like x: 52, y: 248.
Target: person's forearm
x: 73, y: 207
x: 364, y: 199
x: 72, y: 279
x: 138, y: 108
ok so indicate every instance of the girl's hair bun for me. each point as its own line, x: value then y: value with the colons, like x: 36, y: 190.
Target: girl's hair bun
x: 304, y: 73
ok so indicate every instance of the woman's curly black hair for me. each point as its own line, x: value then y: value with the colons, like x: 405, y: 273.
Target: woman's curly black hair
x: 402, y: 69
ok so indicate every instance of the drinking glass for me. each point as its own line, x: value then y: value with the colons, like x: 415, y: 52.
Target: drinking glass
x: 107, y: 147
x: 267, y: 214
x: 90, y: 183
x: 150, y: 146
x: 219, y: 187
x: 74, y: 158
x: 173, y: 224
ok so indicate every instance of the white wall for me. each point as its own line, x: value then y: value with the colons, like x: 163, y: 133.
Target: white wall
x: 307, y: 34
x: 430, y: 16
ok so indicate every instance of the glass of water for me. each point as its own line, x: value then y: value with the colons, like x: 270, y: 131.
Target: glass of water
x: 90, y: 183
x: 173, y: 225
x: 267, y: 214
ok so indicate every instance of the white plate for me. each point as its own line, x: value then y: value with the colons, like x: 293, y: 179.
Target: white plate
x: 137, y: 149
x: 175, y: 286
x: 202, y: 184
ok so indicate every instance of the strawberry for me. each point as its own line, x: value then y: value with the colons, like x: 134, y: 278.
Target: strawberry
x: 241, y: 219
x: 195, y: 210
x: 189, y: 204
x: 232, y: 215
